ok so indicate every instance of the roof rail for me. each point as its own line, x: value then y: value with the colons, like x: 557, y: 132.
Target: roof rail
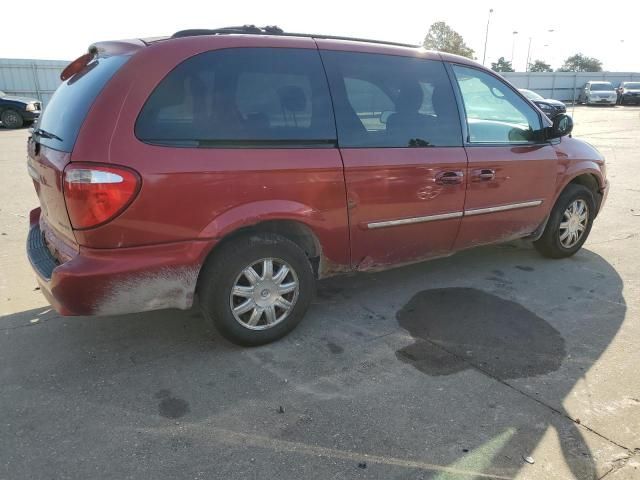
x: 274, y: 30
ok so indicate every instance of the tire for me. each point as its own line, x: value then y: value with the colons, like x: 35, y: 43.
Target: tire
x: 225, y: 270
x: 550, y: 244
x: 11, y: 119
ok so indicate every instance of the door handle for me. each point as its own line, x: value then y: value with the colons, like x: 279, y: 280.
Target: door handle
x: 484, y: 175
x: 451, y: 177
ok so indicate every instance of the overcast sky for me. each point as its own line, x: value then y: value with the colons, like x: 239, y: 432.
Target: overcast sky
x: 607, y: 30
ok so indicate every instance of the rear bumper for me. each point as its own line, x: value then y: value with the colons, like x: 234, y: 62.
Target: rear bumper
x: 120, y: 280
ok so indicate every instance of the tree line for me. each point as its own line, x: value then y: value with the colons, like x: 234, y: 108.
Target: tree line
x: 443, y: 38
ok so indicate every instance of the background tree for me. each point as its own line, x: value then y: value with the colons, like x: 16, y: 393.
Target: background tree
x: 581, y: 63
x: 443, y: 38
x: 540, y: 66
x: 502, y: 65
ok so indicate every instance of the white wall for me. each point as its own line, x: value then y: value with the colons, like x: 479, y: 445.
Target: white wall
x: 31, y: 78
x: 564, y: 85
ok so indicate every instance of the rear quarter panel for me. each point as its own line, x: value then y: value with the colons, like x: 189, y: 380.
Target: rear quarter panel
x: 206, y: 193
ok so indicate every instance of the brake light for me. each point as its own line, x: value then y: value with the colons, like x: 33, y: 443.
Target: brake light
x: 77, y: 65
x: 95, y: 194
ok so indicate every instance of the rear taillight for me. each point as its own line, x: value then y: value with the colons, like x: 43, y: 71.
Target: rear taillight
x: 95, y: 194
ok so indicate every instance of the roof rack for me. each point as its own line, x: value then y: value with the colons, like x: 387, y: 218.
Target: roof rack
x: 275, y: 30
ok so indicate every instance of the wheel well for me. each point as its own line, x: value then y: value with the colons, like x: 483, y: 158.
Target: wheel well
x: 591, y: 182
x: 297, y: 232
x: 8, y: 107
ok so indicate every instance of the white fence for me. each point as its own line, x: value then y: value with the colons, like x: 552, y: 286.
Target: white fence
x: 564, y: 86
x: 30, y: 78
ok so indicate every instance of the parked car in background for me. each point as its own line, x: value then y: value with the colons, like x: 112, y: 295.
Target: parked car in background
x: 598, y: 93
x: 18, y: 111
x: 550, y: 107
x: 628, y: 92
x: 243, y: 164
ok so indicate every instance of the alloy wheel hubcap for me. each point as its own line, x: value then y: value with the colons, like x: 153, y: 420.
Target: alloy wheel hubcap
x: 264, y: 293
x: 574, y: 223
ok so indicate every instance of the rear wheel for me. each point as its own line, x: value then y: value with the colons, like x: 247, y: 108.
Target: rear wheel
x: 569, y: 223
x: 257, y: 288
x: 11, y: 119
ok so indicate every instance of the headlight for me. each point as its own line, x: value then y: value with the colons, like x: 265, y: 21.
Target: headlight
x: 545, y: 106
x: 31, y: 107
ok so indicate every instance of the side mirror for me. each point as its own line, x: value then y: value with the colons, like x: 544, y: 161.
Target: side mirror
x: 562, y: 126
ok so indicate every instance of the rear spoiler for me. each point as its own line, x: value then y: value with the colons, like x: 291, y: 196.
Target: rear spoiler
x: 102, y: 49
x: 117, y: 47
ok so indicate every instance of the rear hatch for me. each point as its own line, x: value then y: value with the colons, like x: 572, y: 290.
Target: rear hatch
x: 52, y: 141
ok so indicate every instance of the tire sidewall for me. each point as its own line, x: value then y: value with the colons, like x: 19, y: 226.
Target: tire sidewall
x: 8, y: 112
x: 573, y: 193
x: 223, y: 271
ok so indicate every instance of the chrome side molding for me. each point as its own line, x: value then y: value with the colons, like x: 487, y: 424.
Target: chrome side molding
x: 446, y: 216
x: 405, y: 221
x: 502, y: 208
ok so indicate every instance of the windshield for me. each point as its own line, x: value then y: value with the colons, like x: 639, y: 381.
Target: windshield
x: 531, y: 95
x: 627, y: 85
x: 69, y: 105
x: 600, y: 87
x: 2, y: 94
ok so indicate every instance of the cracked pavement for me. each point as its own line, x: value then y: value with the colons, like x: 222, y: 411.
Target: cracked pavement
x: 522, y: 357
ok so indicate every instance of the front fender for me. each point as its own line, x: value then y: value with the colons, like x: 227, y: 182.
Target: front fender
x: 574, y: 171
x: 577, y: 157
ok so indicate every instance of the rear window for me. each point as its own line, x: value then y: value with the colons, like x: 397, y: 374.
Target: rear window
x: 68, y: 107
x: 241, y: 97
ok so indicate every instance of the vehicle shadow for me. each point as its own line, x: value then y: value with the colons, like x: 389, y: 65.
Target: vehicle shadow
x: 501, y: 313
x: 459, y: 326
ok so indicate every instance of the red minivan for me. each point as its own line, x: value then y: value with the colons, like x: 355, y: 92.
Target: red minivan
x: 242, y: 164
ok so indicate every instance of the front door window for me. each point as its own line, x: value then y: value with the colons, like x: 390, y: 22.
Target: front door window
x: 495, y: 113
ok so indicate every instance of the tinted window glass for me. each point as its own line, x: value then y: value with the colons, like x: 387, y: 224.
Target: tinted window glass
x: 391, y: 101
x: 495, y: 113
x: 70, y: 103
x: 241, y: 97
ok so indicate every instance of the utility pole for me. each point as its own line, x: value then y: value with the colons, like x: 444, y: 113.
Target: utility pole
x: 513, y: 46
x: 550, y: 30
x: 486, y: 37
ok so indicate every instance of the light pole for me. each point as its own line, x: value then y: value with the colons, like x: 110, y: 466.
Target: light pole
x: 486, y: 36
x: 526, y: 66
x: 550, y: 30
x: 513, y: 45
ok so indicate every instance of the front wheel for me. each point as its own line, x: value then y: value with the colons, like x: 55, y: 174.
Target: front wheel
x: 11, y: 119
x: 569, y: 223
x: 257, y: 288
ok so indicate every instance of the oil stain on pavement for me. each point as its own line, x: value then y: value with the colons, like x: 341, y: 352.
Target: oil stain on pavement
x: 170, y: 406
x: 459, y: 328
